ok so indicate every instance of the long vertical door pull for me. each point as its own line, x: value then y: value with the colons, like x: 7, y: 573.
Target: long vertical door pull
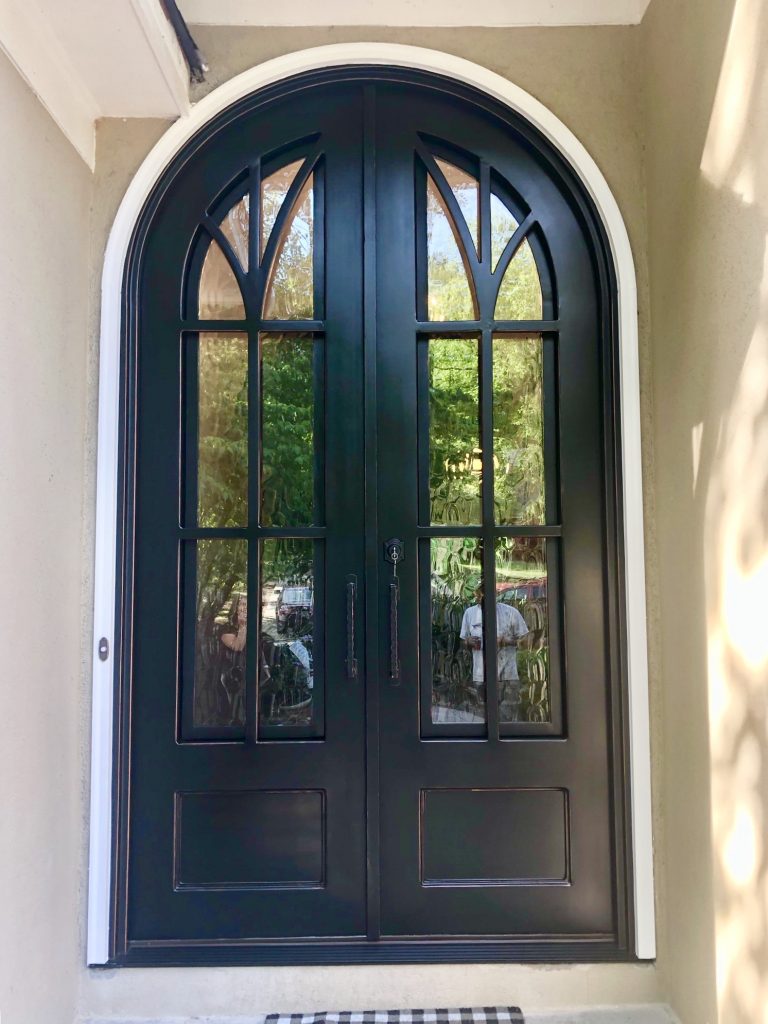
x: 351, y: 601
x: 393, y: 553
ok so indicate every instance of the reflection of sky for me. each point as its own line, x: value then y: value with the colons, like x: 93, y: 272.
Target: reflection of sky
x: 442, y: 243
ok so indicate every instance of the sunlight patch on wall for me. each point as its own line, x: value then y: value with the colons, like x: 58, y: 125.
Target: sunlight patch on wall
x: 738, y: 125
x: 697, y: 434
x: 736, y: 565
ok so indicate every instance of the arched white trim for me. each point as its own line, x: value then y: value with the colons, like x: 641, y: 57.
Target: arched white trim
x: 109, y: 386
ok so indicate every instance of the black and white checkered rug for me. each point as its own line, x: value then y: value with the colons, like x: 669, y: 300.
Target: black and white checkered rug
x: 464, y: 1015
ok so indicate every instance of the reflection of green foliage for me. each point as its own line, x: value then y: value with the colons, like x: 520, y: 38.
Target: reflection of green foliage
x: 457, y: 566
x: 286, y: 418
x: 291, y: 287
x: 220, y: 607
x: 221, y: 572
x: 448, y: 292
x: 287, y: 430
x: 455, y: 456
x: 223, y: 430
x: 455, y: 460
x: 518, y: 430
x: 519, y: 295
x: 288, y: 561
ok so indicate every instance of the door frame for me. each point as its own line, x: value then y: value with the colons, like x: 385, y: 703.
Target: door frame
x: 106, y: 655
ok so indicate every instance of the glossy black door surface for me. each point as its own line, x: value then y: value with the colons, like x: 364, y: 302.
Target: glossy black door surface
x: 371, y: 686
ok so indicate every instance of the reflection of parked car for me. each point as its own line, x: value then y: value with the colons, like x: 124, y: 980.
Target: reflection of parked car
x: 294, y: 608
x: 523, y: 590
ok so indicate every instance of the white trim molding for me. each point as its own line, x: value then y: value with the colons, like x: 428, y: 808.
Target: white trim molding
x: 152, y: 168
x: 162, y: 40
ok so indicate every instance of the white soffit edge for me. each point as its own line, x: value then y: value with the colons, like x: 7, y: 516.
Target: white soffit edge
x: 86, y: 59
x: 421, y: 13
x: 28, y: 40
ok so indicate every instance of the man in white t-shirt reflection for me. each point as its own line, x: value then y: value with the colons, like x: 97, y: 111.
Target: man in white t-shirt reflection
x: 510, y: 629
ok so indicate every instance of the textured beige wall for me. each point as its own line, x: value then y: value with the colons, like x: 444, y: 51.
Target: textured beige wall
x: 591, y: 79
x: 44, y: 243
x: 707, y: 187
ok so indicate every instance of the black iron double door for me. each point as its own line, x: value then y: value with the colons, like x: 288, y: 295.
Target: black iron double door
x: 369, y: 400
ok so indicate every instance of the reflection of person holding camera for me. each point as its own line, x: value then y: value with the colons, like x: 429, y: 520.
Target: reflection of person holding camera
x: 510, y: 629
x: 236, y: 641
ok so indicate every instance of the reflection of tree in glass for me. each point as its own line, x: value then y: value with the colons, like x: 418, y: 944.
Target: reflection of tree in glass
x: 287, y: 430
x: 456, y: 572
x: 466, y: 192
x: 274, y: 189
x: 219, y: 296
x: 518, y: 430
x: 449, y: 296
x: 235, y: 227
x: 455, y: 458
x: 290, y: 290
x: 519, y: 295
x: 220, y: 609
x: 503, y: 226
x: 223, y: 430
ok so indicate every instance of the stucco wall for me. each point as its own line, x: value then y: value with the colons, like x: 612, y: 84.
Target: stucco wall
x: 707, y: 159
x: 44, y: 242
x: 591, y: 79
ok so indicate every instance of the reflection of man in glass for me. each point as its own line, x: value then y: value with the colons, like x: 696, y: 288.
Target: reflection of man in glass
x: 236, y: 641
x: 510, y: 628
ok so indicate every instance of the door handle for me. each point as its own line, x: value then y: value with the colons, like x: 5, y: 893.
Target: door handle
x: 394, y: 642
x: 393, y: 553
x: 351, y: 602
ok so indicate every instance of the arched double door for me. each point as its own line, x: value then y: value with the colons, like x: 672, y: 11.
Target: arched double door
x: 371, y: 693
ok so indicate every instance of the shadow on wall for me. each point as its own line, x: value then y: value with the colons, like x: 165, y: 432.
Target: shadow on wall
x: 708, y: 210
x: 730, y: 476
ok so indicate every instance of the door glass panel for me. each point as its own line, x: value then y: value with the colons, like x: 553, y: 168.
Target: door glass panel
x: 222, y: 469
x: 234, y: 227
x: 465, y: 188
x: 458, y: 681
x: 449, y: 295
x: 286, y: 651
x: 288, y: 472
x: 503, y: 226
x: 519, y: 296
x: 221, y: 608
x: 274, y: 189
x: 219, y: 296
x: 455, y: 455
x: 290, y: 288
x: 518, y: 430
x: 522, y: 629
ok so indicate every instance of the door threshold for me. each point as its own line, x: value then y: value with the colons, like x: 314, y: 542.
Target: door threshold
x: 165, y: 953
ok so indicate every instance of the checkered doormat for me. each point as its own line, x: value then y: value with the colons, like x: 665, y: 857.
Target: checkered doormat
x: 465, y: 1015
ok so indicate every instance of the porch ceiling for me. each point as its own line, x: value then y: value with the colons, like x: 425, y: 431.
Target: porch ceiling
x: 446, y: 13
x: 87, y: 59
